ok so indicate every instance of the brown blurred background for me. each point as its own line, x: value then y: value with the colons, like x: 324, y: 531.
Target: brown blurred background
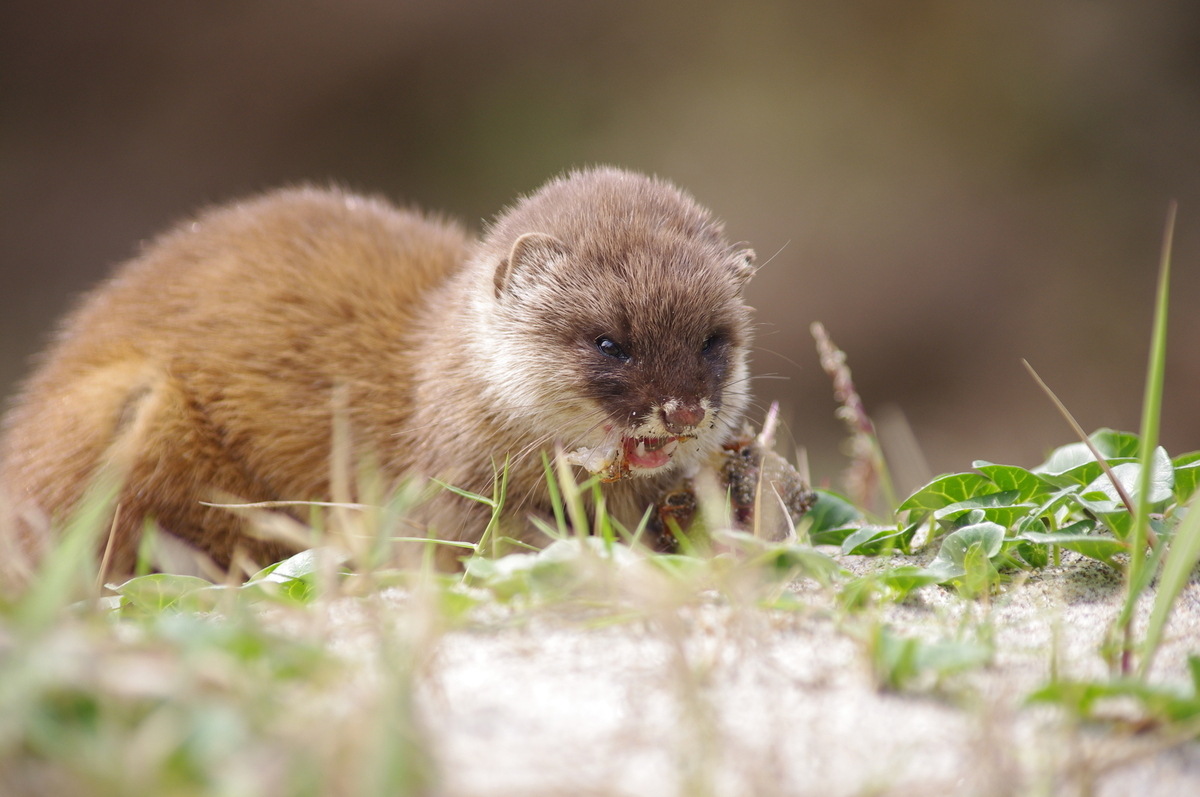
x: 949, y: 185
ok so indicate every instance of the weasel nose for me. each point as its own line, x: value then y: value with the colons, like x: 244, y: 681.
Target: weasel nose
x: 680, y: 418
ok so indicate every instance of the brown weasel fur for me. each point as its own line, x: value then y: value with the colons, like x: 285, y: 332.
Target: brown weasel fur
x: 600, y: 312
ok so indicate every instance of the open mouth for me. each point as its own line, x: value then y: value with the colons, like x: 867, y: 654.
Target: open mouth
x: 620, y: 454
x: 649, y: 453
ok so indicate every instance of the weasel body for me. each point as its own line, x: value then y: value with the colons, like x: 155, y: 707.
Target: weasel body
x: 602, y: 313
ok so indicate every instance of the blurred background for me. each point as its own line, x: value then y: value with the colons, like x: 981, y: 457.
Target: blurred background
x: 949, y: 185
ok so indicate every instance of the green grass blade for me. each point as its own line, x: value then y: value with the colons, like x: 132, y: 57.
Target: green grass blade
x: 1152, y: 400
x: 1151, y: 414
x: 68, y: 572
x: 556, y: 502
x: 1181, y: 559
x: 572, y: 494
x: 470, y: 496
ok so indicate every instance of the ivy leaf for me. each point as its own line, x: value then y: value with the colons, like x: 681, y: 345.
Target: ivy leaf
x: 996, y: 507
x: 980, y: 572
x: 1064, y: 458
x: 906, y: 578
x: 875, y: 539
x: 1034, y: 555
x: 946, y: 490
x: 951, y: 559
x: 1027, y: 484
x: 294, y: 580
x: 1092, y: 546
x: 159, y: 592
x: 1075, y: 464
x: 1082, y: 474
x: 302, y: 565
x: 1187, y: 476
x: 1112, y: 444
x: 1162, y: 479
x: 1051, y: 507
x: 832, y: 519
x: 789, y: 561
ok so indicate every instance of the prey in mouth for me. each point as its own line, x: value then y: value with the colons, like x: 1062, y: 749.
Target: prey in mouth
x: 632, y: 452
x: 619, y: 456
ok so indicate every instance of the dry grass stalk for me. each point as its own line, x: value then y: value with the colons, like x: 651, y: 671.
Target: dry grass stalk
x: 867, y: 474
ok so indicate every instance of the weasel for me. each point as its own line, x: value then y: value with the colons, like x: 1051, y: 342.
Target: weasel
x: 602, y: 313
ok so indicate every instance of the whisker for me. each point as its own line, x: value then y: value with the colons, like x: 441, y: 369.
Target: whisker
x: 774, y: 353
x: 780, y: 249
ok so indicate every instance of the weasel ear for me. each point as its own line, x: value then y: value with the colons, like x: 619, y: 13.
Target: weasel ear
x: 742, y: 265
x: 530, y: 253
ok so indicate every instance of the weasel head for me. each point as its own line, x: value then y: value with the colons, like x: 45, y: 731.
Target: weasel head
x: 611, y: 321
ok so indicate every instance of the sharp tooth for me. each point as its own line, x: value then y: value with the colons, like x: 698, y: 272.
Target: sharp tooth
x: 670, y: 447
x: 641, y: 447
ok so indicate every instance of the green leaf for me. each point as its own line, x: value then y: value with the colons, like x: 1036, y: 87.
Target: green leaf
x: 1187, y: 476
x: 1092, y: 546
x: 1101, y: 504
x: 261, y: 574
x: 1112, y: 444
x: 1027, y: 484
x: 893, y: 658
x: 951, y: 559
x: 979, y: 572
x: 946, y: 490
x: 303, y: 565
x: 859, y: 592
x: 1081, y: 697
x: 996, y: 507
x: 906, y: 578
x: 831, y: 512
x: 285, y: 590
x: 159, y: 592
x: 294, y: 580
x: 1075, y: 464
x: 1162, y: 479
x: 1082, y: 474
x: 554, y: 571
x: 832, y: 519
x: 1035, y: 555
x: 950, y: 655
x: 978, y: 502
x: 1076, y: 529
x: 875, y: 539
x: 1076, y: 697
x: 790, y: 561
x: 1053, y: 508
x: 898, y: 661
x: 832, y: 536
x: 1112, y: 514
x: 506, y: 577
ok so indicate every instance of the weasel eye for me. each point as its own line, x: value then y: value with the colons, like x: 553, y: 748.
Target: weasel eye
x: 609, y: 348
x: 709, y: 342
